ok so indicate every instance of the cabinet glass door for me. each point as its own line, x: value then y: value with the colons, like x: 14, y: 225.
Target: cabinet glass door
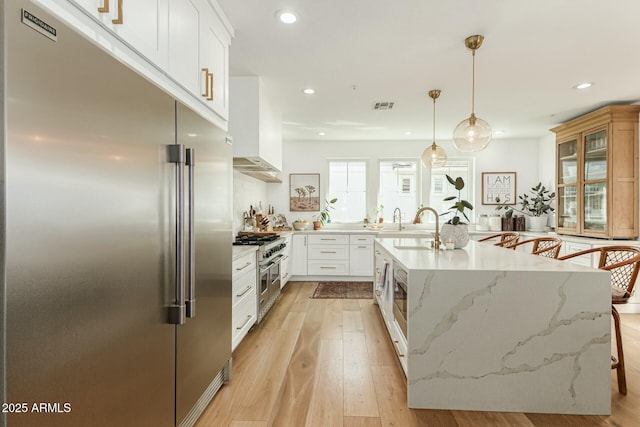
x: 595, y: 207
x: 595, y: 156
x: 567, y: 207
x: 568, y: 162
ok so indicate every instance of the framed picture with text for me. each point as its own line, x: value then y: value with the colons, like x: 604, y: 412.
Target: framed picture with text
x: 498, y: 188
x: 304, y: 192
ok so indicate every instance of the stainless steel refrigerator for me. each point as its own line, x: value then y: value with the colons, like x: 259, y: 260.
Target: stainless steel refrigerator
x: 116, y: 240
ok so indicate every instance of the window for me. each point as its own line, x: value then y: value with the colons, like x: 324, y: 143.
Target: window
x: 348, y: 183
x: 398, y: 188
x: 441, y: 188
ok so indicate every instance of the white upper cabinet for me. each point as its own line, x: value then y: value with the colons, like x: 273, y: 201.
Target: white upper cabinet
x: 140, y: 24
x: 214, y: 60
x: 186, y: 40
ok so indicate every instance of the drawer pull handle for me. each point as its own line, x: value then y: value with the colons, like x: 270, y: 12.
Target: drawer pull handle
x: 327, y: 239
x: 362, y: 247
x: 244, y: 323
x: 118, y: 20
x: 105, y: 7
x: 327, y: 252
x: 286, y: 257
x: 244, y: 266
x: 362, y: 239
x: 377, y: 252
x: 379, y: 293
x: 206, y: 82
x: 397, y: 349
x: 244, y: 292
x: 328, y: 268
x: 285, y: 275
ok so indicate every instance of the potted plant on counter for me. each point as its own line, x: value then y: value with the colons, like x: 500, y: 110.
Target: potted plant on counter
x: 455, y: 229
x: 536, y: 206
x: 324, y: 216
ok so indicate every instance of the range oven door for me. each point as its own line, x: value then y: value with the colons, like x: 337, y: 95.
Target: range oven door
x: 263, y: 291
x: 400, y: 298
x: 274, y: 278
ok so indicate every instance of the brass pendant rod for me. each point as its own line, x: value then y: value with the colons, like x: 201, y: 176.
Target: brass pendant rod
x: 473, y: 82
x: 434, y: 120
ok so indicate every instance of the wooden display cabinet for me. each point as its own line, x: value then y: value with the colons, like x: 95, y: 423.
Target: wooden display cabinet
x: 597, y: 174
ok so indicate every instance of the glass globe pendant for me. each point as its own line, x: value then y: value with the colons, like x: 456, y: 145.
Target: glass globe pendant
x: 434, y: 156
x: 473, y: 133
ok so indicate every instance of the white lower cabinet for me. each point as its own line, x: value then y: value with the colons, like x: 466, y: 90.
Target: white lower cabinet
x: 244, y: 298
x: 299, y: 243
x: 328, y: 255
x: 285, y: 263
x: 360, y: 255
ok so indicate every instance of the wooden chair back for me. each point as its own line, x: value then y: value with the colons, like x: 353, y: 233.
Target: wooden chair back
x: 507, y: 239
x: 624, y: 264
x: 544, y: 246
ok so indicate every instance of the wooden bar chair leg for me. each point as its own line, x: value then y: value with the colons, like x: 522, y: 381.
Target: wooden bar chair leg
x: 618, y: 365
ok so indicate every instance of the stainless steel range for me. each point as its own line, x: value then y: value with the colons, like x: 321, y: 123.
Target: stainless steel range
x: 269, y: 257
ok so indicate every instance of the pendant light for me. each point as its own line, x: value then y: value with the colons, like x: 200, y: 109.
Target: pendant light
x: 472, y: 134
x: 434, y: 155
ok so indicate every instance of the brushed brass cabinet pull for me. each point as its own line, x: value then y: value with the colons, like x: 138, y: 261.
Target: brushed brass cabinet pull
x: 105, y: 7
x: 118, y: 20
x: 206, y: 82
x: 210, y: 98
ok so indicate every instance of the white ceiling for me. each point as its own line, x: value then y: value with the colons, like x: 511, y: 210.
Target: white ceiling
x: 357, y: 52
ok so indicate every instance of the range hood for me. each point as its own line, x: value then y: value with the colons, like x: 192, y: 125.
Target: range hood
x: 256, y: 127
x: 256, y: 168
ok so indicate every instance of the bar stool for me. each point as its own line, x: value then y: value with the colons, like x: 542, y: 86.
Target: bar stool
x: 544, y: 246
x: 506, y: 239
x: 624, y: 263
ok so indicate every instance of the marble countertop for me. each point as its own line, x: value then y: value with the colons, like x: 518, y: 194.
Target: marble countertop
x: 475, y: 256
x: 240, y: 251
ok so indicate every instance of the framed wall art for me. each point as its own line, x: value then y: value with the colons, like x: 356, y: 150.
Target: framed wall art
x: 498, y: 188
x: 304, y: 192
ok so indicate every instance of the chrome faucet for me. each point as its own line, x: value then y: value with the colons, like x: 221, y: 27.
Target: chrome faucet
x: 400, y: 227
x: 436, y: 243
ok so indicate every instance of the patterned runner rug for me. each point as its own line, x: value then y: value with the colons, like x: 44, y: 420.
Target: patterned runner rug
x: 344, y: 290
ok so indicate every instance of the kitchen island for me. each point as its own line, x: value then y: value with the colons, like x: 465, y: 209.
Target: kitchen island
x: 493, y: 329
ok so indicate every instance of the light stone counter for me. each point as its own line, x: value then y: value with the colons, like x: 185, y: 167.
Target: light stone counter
x: 242, y: 250
x: 492, y: 329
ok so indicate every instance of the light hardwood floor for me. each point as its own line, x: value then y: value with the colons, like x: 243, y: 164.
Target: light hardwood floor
x: 328, y: 363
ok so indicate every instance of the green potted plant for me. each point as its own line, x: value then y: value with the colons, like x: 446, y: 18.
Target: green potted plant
x: 537, y: 206
x: 324, y: 216
x: 380, y: 213
x: 455, y: 229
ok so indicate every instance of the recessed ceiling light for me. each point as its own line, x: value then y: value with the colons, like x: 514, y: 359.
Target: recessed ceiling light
x: 309, y: 91
x: 498, y: 132
x: 321, y: 133
x: 408, y: 132
x: 584, y: 85
x: 287, y: 16
x: 192, y: 134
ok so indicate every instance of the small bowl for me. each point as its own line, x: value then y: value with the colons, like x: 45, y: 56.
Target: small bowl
x: 300, y: 226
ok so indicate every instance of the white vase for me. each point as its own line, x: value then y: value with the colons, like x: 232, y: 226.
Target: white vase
x: 458, y: 233
x: 537, y: 223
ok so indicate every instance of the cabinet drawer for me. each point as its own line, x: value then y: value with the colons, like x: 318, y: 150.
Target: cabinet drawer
x: 244, y: 264
x: 244, y: 285
x: 242, y: 318
x: 355, y: 239
x: 328, y: 268
x: 571, y: 247
x: 329, y: 252
x: 329, y: 239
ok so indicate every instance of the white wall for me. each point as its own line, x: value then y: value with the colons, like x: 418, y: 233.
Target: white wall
x: 246, y: 191
x: 502, y: 155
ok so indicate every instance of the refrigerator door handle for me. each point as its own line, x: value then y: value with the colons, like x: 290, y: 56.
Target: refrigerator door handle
x: 191, y: 293
x: 177, y: 309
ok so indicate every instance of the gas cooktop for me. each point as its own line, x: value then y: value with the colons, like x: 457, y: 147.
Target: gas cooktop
x: 255, y: 239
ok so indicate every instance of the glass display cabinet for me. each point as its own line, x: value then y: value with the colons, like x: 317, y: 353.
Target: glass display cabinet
x: 597, y: 174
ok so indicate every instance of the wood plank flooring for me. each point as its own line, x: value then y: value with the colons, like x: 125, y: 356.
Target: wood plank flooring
x: 330, y: 363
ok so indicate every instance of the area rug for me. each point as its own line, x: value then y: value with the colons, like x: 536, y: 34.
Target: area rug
x: 344, y: 290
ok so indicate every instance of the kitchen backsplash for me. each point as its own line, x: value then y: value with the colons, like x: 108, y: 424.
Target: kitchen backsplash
x: 247, y: 191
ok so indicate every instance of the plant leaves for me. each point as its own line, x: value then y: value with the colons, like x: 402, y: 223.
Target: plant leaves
x: 466, y: 204
x: 459, y: 184
x: 446, y: 199
x: 451, y: 181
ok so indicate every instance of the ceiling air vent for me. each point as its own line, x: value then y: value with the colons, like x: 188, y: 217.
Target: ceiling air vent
x: 388, y: 105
